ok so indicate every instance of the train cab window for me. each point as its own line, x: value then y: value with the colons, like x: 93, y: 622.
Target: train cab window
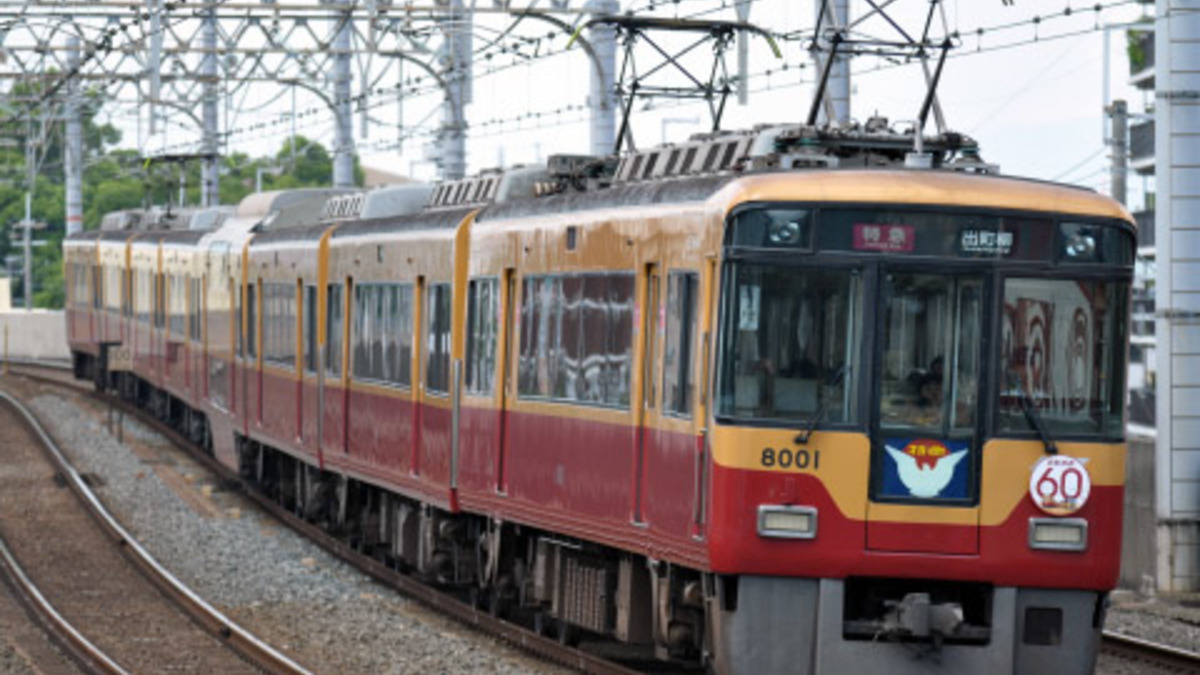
x: 679, y: 345
x: 931, y: 343
x: 437, y: 339
x: 483, y: 306
x: 1061, y: 356
x: 310, y: 329
x: 334, y: 321
x: 791, y: 339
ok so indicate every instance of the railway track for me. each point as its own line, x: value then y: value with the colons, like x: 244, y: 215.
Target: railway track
x: 94, y: 587
x: 1123, y: 647
x: 546, y: 648
x: 1152, y: 654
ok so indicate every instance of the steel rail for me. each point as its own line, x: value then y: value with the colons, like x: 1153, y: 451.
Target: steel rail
x: 1163, y: 656
x: 546, y: 648
x: 243, y: 642
x: 60, y: 630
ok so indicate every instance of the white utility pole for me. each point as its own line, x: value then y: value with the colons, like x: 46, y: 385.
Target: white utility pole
x: 73, y: 149
x: 1177, y: 295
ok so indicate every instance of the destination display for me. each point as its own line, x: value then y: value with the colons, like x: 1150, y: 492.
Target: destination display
x: 903, y: 232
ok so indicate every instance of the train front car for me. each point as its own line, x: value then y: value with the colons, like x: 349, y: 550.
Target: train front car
x: 917, y: 445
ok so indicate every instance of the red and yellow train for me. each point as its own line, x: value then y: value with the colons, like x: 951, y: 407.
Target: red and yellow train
x: 770, y: 401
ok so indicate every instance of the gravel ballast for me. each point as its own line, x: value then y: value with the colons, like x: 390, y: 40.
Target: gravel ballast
x: 277, y: 584
x: 320, y: 611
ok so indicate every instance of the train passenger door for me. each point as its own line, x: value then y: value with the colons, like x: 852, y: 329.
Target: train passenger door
x: 647, y: 416
x: 333, y: 383
x: 925, y: 426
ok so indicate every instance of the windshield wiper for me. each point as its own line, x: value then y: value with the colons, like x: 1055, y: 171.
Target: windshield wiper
x: 803, y: 436
x: 1032, y: 415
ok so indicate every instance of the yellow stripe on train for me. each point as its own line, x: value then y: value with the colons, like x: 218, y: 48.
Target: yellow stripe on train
x: 841, y: 461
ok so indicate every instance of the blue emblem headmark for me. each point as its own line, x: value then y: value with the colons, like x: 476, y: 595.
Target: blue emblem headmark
x: 925, y: 468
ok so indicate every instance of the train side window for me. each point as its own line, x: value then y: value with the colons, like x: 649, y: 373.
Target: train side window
x: 482, y: 307
x: 679, y: 345
x: 362, y: 332
x: 310, y: 329
x: 251, y: 321
x: 196, y: 309
x: 112, y: 288
x: 98, y: 287
x: 382, y: 336
x: 159, y: 300
x: 177, y: 306
x: 404, y: 334
x: 235, y: 295
x: 279, y: 324
x: 577, y: 338
x: 437, y: 334
x: 334, y: 316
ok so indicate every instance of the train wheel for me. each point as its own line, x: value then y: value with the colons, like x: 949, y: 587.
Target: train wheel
x: 543, y: 623
x: 568, y: 634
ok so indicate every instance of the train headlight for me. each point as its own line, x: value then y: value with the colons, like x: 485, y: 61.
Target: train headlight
x: 787, y: 522
x: 1081, y: 246
x: 1058, y: 534
x: 784, y: 233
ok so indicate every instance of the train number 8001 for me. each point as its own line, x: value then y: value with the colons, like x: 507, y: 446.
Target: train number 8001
x: 786, y: 458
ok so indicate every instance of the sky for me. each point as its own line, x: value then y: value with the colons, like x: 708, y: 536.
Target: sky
x: 1031, y: 92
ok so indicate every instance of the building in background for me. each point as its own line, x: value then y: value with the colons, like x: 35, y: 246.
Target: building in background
x: 1142, y: 357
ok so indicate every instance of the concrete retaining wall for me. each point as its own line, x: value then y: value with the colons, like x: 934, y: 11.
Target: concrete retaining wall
x: 1139, y: 544
x: 40, y: 334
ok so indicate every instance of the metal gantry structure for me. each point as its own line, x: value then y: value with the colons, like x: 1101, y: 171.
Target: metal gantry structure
x: 185, y: 57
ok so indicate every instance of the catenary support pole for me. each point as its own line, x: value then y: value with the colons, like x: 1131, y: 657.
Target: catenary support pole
x: 602, y: 96
x: 743, y: 53
x: 456, y: 57
x: 1177, y: 296
x: 210, y: 180
x: 1119, y: 112
x: 343, y: 148
x: 837, y: 15
x: 73, y: 149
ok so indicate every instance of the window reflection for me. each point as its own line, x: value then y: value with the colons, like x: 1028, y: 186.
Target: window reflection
x: 577, y: 338
x: 1061, y: 346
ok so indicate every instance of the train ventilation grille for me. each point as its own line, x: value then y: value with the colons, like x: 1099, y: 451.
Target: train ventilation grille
x: 688, y: 159
x: 343, y: 207
x: 478, y: 190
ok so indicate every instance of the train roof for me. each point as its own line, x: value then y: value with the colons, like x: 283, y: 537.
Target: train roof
x: 426, y: 220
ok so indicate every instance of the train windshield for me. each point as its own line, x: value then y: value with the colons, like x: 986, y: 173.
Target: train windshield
x: 1062, y: 348
x: 931, y: 339
x: 791, y: 340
